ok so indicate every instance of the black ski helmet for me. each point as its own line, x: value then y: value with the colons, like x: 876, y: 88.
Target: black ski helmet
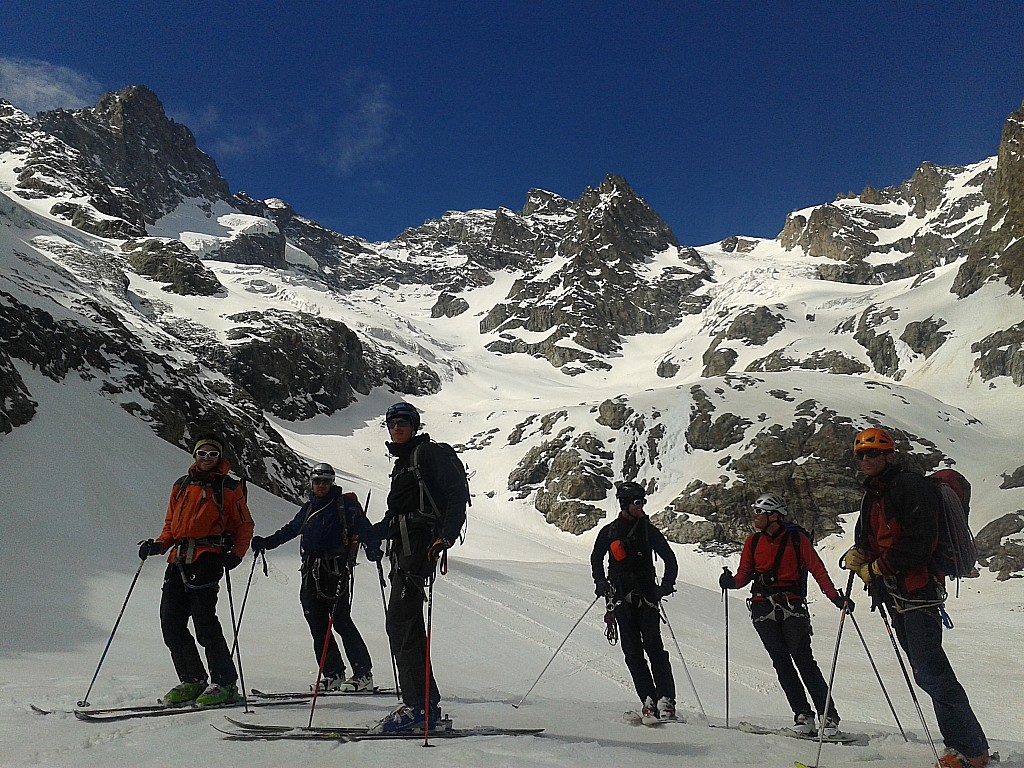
x: 769, y: 503
x: 322, y: 471
x: 403, y: 410
x: 628, y: 492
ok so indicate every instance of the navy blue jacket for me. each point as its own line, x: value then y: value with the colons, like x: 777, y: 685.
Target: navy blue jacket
x: 328, y: 526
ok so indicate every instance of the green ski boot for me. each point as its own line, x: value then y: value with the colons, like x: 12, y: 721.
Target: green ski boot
x: 183, y: 693
x: 218, y: 695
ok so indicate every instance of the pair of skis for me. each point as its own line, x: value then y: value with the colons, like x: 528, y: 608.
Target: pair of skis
x: 244, y: 731
x: 258, y: 699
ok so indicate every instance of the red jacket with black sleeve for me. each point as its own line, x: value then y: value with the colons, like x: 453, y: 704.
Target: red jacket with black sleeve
x: 789, y: 579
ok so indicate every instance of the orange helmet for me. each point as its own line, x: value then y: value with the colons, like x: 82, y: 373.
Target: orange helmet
x: 875, y: 438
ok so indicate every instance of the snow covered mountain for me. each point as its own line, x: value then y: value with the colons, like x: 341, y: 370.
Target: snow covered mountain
x: 563, y: 346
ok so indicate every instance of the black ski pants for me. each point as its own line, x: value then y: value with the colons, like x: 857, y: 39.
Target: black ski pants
x: 640, y: 638
x: 321, y: 591
x: 786, y: 635
x: 190, y: 591
x: 407, y: 634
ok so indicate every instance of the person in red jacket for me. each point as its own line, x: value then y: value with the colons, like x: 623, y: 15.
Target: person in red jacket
x: 775, y: 560
x: 895, y: 556
x: 206, y: 531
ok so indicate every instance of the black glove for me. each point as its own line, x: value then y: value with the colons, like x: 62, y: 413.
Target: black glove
x: 666, y: 589
x: 149, y: 547
x: 231, y: 560
x: 727, y: 580
x: 374, y: 553
x: 258, y: 545
x: 439, y: 546
x: 843, y: 602
x: 602, y: 589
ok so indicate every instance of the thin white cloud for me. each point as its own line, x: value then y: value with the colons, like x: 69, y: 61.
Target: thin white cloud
x: 35, y: 86
x: 368, y: 132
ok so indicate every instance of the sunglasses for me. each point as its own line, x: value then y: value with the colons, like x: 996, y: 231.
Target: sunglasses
x: 207, y: 454
x: 322, y: 481
x: 399, y: 423
x: 639, y: 502
x: 871, y: 453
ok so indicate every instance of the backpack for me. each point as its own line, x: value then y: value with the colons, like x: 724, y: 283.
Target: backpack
x: 451, y: 466
x: 956, y: 552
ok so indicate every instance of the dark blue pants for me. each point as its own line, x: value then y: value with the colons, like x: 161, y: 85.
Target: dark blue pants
x: 787, y: 638
x: 920, y: 634
x: 640, y: 637
x: 317, y: 597
x: 191, y: 592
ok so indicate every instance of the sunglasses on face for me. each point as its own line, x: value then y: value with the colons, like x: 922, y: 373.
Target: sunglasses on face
x: 207, y: 454
x: 871, y: 453
x: 639, y: 502
x: 394, y: 423
x: 321, y: 481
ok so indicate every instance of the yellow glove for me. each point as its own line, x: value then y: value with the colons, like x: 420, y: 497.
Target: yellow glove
x: 854, y: 559
x: 868, y: 571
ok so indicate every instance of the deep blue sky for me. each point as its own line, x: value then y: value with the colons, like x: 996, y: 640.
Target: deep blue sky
x: 724, y: 116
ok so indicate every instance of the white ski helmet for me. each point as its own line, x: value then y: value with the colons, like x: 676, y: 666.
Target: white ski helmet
x: 769, y: 503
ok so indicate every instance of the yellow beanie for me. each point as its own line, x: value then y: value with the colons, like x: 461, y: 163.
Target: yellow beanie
x: 207, y: 441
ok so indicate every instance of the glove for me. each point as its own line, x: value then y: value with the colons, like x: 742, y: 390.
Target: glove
x: 373, y: 552
x: 666, y: 589
x: 435, y: 549
x: 868, y: 571
x: 843, y: 602
x: 149, y: 547
x: 602, y: 588
x: 727, y: 580
x: 854, y: 559
x: 231, y: 560
x: 258, y: 545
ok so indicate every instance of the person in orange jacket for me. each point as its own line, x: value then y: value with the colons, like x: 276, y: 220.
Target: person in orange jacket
x: 206, y: 531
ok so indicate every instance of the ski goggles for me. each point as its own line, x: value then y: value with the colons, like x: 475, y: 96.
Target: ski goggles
x: 207, y: 454
x: 870, y: 453
x: 399, y: 423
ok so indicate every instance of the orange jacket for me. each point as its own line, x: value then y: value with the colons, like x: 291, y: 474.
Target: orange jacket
x: 193, y: 513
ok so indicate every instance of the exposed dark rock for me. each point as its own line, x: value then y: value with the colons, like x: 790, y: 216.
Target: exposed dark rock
x: 705, y: 434
x: 448, y: 305
x: 266, y: 248
x: 85, y: 219
x: 1001, y: 354
x: 880, y: 347
x: 999, y: 249
x: 614, y: 413
x: 1000, y: 547
x: 667, y: 368
x: 924, y: 337
x: 718, y: 362
x: 297, y: 365
x: 16, y: 404
x: 1016, y: 480
x: 171, y: 261
x: 755, y: 326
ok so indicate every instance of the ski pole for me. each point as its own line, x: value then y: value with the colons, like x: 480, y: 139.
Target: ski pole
x: 245, y: 599
x: 85, y: 699
x: 686, y: 669
x: 906, y: 676
x: 235, y: 625
x: 879, y: 677
x: 323, y: 653
x: 725, y: 599
x: 516, y: 706
x: 835, y: 663
x: 384, y: 603
x: 426, y: 684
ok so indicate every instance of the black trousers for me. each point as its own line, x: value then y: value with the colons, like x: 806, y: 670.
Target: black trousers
x: 407, y: 634
x: 640, y: 638
x: 320, y: 586
x: 190, y: 592
x: 787, y: 638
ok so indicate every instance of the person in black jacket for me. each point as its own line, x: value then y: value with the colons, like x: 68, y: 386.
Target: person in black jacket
x: 425, y: 515
x: 632, y: 589
x: 894, y: 555
x: 332, y: 525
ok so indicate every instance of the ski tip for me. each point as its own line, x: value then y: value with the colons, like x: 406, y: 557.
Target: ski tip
x: 40, y: 710
x: 803, y: 765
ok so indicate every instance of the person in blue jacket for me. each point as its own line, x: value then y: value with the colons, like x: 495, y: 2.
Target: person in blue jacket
x: 332, y: 525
